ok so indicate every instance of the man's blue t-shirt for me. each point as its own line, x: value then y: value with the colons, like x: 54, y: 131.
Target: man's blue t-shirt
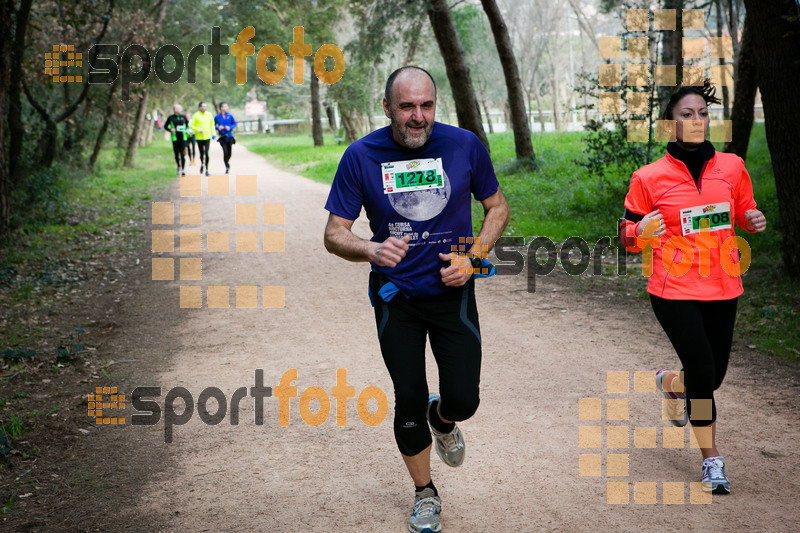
x: 434, y: 218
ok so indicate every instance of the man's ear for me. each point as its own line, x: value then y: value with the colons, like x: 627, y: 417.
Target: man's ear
x: 386, y: 108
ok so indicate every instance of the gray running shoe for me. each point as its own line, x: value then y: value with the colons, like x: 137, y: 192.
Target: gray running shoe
x: 449, y: 446
x: 675, y: 406
x: 714, y: 478
x: 425, y: 515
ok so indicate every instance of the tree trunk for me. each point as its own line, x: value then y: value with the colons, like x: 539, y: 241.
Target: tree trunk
x: 98, y: 143
x: 672, y: 51
x: 16, y: 129
x: 331, y: 119
x: 6, y: 11
x: 316, y: 122
x: 744, y: 93
x: 522, y: 132
x: 539, y: 110
x: 138, y: 123
x: 488, y: 116
x: 350, y: 123
x: 776, y: 40
x: 726, y: 102
x: 467, y: 109
x: 507, y: 113
x: 556, y: 86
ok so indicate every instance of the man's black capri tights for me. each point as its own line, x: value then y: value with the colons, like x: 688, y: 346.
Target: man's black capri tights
x: 451, y: 322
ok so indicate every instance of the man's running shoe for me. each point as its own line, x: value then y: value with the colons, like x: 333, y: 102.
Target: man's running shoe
x: 449, y: 446
x: 675, y: 406
x: 714, y: 478
x: 179, y: 171
x: 183, y: 172
x: 425, y: 515
x: 227, y: 169
x: 201, y: 168
x: 206, y: 172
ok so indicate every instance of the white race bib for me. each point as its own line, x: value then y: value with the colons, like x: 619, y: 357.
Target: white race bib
x: 413, y: 175
x: 718, y: 216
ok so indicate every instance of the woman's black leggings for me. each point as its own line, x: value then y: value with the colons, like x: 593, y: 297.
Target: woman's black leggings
x: 701, y: 333
x: 202, y: 147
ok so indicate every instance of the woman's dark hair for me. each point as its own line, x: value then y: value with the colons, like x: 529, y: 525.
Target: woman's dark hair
x: 707, y: 91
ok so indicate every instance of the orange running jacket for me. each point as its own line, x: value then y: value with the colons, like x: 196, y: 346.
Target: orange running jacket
x: 697, y: 258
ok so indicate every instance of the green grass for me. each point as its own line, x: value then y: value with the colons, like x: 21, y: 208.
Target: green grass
x: 298, y: 154
x: 94, y: 215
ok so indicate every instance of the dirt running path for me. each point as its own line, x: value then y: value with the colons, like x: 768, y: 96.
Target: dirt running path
x: 542, y: 352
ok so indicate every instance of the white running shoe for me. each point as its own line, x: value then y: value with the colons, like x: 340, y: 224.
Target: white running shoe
x: 425, y: 515
x: 449, y: 446
x: 675, y: 406
x: 714, y: 478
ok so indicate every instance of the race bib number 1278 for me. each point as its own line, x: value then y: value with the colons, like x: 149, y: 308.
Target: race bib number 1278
x: 414, y: 175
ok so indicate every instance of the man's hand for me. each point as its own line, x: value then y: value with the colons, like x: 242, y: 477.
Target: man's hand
x: 755, y: 220
x: 390, y: 252
x: 456, y: 274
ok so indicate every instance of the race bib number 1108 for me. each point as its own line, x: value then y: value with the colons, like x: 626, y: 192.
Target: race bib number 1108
x: 717, y: 215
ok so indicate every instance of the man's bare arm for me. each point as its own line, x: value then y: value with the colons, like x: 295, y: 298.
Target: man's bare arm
x: 340, y: 240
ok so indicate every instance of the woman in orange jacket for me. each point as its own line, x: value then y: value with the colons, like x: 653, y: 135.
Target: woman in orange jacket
x: 680, y: 211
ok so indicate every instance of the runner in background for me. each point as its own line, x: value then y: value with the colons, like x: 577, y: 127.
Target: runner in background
x: 176, y: 125
x: 225, y: 124
x: 190, y: 148
x: 202, y: 125
x: 687, y: 201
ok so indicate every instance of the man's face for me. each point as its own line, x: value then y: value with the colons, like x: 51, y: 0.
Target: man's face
x: 223, y: 108
x: 412, y: 108
x: 203, y: 107
x: 177, y: 109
